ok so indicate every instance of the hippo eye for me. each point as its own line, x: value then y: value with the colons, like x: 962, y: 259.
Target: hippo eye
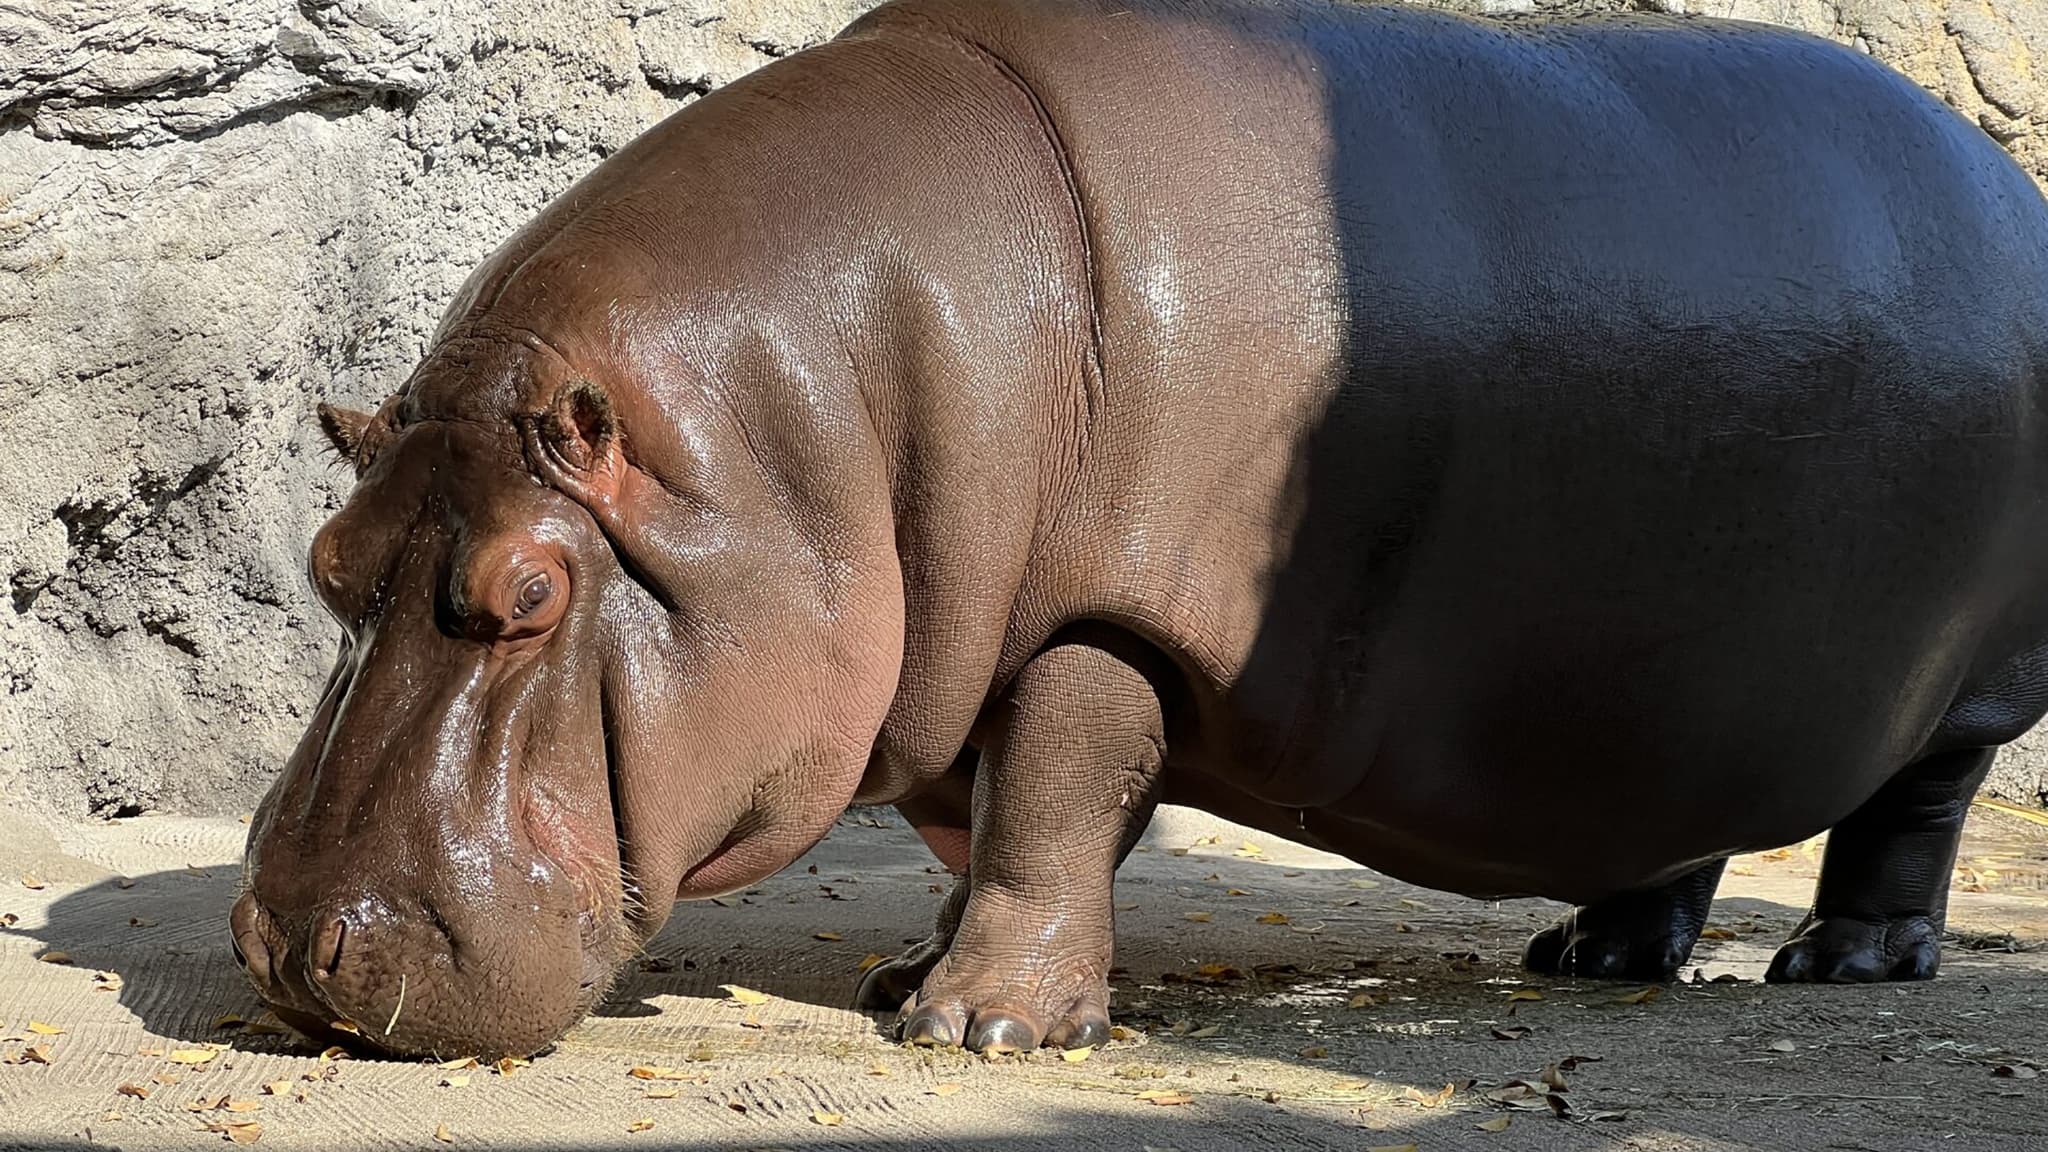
x: 532, y: 595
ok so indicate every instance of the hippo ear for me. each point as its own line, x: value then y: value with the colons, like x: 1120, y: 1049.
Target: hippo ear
x: 345, y: 428
x: 574, y: 444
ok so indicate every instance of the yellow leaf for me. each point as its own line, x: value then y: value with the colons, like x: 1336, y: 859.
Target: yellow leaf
x: 744, y: 995
x: 55, y: 957
x: 348, y: 1026
x: 1198, y: 917
x: 510, y: 1064
x: 33, y: 884
x: 1236, y: 892
x: 663, y: 1092
x: 658, y: 1072
x: 639, y: 1125
x: 870, y: 960
x: 42, y: 1029
x: 1165, y: 1097
x: 1716, y: 934
x: 191, y: 1055
x: 1203, y: 1033
x: 1524, y: 994
x: 454, y: 1081
x: 1429, y: 1099
x: 1273, y: 918
x: 135, y: 1090
x: 1314, y: 1052
x: 828, y: 1119
x: 442, y: 1134
x: 1351, y: 1085
x: 1497, y: 1124
x: 244, y: 1133
x: 1077, y: 1055
x: 827, y: 936
x: 944, y: 1089
x: 36, y: 1054
x: 277, y: 1087
x: 462, y: 1065
x: 244, y: 1106
x: 1644, y: 996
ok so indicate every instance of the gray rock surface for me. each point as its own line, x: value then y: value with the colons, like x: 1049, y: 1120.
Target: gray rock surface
x: 214, y: 212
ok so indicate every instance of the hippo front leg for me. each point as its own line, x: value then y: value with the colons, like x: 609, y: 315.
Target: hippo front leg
x: 1068, y: 778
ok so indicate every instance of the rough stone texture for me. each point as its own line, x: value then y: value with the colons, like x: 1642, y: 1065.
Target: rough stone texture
x: 213, y: 212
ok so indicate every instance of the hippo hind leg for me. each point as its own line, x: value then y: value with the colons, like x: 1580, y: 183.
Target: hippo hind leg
x: 1882, y: 899
x: 1643, y: 935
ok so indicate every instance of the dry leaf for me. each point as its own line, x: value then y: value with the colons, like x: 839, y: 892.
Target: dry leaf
x: 1524, y: 994
x: 140, y: 922
x: 1784, y: 1046
x: 828, y: 1119
x: 243, y: 1106
x: 229, y: 1020
x: 1716, y: 934
x: 124, y: 882
x: 1403, y: 926
x: 191, y: 1055
x: 1273, y: 918
x: 510, y: 1064
x: 826, y: 936
x: 1077, y: 1055
x: 1429, y: 1099
x: 456, y: 1080
x: 442, y: 1134
x: 36, y: 1054
x: 744, y: 995
x: 9, y: 919
x: 277, y: 1087
x: 462, y: 1065
x: 348, y: 1026
x: 1313, y: 1052
x: 135, y: 1090
x: 2015, y: 1072
x: 55, y: 957
x: 662, y: 1092
x: 32, y: 883
x: 240, y: 1133
x: 1198, y: 917
x: 944, y: 1089
x: 1644, y: 996
x: 1497, y: 1124
x: 42, y: 1029
x: 207, y: 1103
x: 1391, y: 1148
x: 107, y: 981
x: 1249, y: 850
x: 658, y: 1072
x: 1553, y: 1079
x: 1518, y: 1032
x: 1236, y: 892
x: 1165, y: 1097
x: 639, y: 1125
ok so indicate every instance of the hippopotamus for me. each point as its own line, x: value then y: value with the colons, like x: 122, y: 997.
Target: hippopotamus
x: 1530, y: 458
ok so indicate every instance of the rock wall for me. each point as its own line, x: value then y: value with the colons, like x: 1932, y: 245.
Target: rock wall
x: 213, y: 212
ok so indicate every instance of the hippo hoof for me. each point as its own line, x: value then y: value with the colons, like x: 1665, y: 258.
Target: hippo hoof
x: 1571, y: 949
x: 1839, y: 950
x: 1000, y: 1027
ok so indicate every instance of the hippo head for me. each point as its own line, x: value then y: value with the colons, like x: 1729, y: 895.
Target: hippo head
x: 575, y: 683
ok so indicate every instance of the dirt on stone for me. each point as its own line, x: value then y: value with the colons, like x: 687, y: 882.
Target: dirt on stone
x: 1268, y: 996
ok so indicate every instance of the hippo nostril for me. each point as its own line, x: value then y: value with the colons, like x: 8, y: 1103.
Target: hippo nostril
x: 326, y: 953
x: 241, y: 957
x: 245, y: 931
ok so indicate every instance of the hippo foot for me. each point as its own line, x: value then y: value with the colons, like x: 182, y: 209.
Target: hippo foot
x: 994, y: 1015
x: 1606, y: 952
x: 889, y: 985
x: 1842, y: 950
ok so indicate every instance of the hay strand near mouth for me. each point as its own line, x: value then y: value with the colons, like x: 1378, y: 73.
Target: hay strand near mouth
x: 398, y: 1007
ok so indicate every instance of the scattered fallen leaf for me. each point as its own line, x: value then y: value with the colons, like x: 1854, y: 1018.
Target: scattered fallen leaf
x: 1516, y: 1032
x: 944, y: 1089
x: 1429, y: 1099
x: 826, y: 936
x: 658, y: 1072
x: 870, y: 960
x: 663, y: 1092
x: 33, y: 883
x: 828, y: 1119
x: 1165, y: 1097
x: 1313, y: 1052
x: 442, y: 1134
x: 247, y: 1132
x: 106, y: 982
x: 1716, y: 934
x: 135, y: 1090
x: 167, y: 1079
x: 42, y: 1029
x: 244, y: 1106
x: 1553, y: 1078
x: 462, y: 1065
x: 1784, y: 1046
x: 123, y: 882
x: 1524, y: 994
x: 454, y: 1080
x: 1497, y: 1124
x: 1236, y: 892
x: 36, y: 1054
x: 1418, y: 905
x: 55, y: 957
x: 206, y: 1103
x: 1368, y: 999
x: 744, y: 995
x: 1642, y: 996
x: 230, y: 1020
x: 1391, y: 1148
x: 1273, y: 918
x: 348, y: 1026
x: 277, y: 1087
x: 1077, y: 1055
x: 1204, y: 1032
x: 1198, y: 917
x: 1403, y: 926
x: 140, y: 922
x: 639, y: 1125
x: 2015, y: 1072
x: 1249, y: 850
x: 510, y: 1064
x: 332, y: 1053
x: 191, y: 1055
x: 9, y: 920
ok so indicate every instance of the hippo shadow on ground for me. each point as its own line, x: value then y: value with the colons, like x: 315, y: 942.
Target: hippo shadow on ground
x: 165, y: 935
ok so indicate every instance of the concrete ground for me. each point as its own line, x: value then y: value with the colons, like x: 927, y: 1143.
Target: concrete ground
x: 1339, y: 1023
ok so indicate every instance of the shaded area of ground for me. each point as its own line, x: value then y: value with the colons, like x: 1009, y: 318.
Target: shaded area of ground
x: 1317, y: 1032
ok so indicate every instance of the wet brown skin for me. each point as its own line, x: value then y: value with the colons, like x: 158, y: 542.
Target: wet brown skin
x: 1541, y: 458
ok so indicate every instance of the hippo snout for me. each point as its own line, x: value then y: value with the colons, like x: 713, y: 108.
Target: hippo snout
x: 396, y: 976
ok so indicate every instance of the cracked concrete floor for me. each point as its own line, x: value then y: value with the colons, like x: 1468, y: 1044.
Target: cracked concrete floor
x: 1339, y: 1028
